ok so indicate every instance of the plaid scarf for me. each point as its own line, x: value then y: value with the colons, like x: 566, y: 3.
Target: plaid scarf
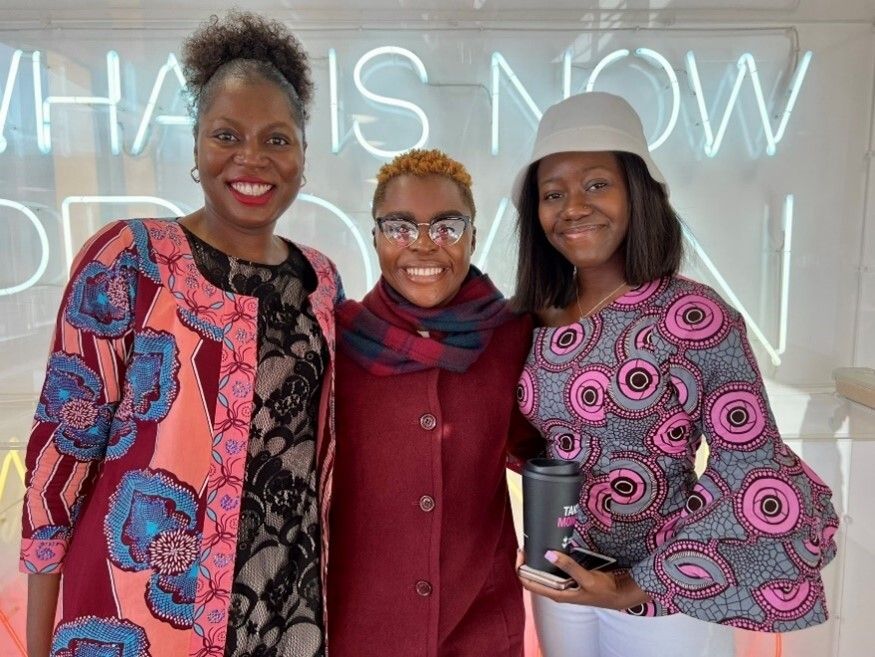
x: 381, y: 332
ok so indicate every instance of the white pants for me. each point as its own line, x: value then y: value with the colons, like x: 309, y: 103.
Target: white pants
x: 569, y: 630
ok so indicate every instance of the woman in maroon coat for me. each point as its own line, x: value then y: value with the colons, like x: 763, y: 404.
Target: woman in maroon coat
x: 422, y: 539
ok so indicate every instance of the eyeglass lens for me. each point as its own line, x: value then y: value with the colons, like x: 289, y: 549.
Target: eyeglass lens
x: 443, y: 231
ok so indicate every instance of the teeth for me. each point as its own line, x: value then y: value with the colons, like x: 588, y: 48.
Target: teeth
x: 251, y: 189
x: 424, y: 271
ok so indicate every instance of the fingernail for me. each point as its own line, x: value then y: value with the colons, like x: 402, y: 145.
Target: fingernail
x: 551, y: 556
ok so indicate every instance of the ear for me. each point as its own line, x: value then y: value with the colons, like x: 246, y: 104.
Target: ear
x: 473, y: 239
x: 374, y: 237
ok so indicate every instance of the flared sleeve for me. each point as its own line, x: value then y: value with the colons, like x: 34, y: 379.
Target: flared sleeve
x: 748, y: 549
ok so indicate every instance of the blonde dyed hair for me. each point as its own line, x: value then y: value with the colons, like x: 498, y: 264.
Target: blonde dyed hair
x: 420, y: 162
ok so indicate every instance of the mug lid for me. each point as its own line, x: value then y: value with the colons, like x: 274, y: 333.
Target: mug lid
x: 556, y: 467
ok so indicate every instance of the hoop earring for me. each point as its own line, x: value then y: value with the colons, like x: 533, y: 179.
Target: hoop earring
x: 194, y: 174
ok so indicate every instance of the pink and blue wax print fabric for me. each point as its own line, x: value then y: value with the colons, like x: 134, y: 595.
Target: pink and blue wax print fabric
x: 628, y: 394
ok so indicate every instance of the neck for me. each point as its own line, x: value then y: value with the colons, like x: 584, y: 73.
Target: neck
x: 256, y: 244
x: 594, y: 284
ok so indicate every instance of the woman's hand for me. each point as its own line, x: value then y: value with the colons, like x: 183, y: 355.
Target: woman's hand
x: 611, y: 590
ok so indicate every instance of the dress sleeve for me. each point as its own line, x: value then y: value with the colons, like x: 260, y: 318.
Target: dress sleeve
x: 758, y: 527
x: 72, y: 431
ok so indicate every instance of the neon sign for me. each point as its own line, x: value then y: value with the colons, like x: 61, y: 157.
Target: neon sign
x: 44, y: 109
x: 745, y: 68
x: 11, y: 461
x: 388, y: 101
x: 171, y: 65
x: 503, y: 80
x: 44, y: 248
x: 746, y: 65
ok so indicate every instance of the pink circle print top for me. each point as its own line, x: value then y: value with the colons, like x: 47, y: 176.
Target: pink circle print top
x: 629, y: 393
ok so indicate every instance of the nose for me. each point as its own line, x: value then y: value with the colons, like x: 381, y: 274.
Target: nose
x: 423, y: 241
x: 249, y: 154
x: 576, y: 206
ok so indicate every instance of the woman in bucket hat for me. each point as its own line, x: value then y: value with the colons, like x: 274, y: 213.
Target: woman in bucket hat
x: 630, y: 367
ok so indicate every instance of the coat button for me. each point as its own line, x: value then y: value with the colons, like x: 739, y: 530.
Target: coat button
x: 428, y: 421
x: 423, y: 588
x: 426, y: 503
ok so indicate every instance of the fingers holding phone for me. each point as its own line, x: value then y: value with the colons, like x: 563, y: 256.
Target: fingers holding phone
x: 586, y: 559
x: 594, y: 586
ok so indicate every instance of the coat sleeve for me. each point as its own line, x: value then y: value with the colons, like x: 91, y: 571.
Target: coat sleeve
x: 748, y: 548
x: 524, y: 441
x: 72, y: 429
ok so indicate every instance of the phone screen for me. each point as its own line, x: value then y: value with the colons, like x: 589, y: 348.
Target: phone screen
x: 592, y: 560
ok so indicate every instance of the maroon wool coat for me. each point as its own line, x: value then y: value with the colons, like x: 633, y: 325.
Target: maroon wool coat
x: 422, y: 538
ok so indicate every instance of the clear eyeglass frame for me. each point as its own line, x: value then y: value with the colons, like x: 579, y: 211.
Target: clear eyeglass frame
x: 444, y: 230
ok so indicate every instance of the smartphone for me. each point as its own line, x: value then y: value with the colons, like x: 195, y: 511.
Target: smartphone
x: 586, y: 558
x: 592, y: 560
x: 547, y: 579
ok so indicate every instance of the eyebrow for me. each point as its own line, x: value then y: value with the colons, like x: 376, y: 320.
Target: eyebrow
x: 587, y: 170
x: 272, y: 126
x: 407, y: 215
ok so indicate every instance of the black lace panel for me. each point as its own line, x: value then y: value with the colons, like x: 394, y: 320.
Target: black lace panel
x: 276, y: 598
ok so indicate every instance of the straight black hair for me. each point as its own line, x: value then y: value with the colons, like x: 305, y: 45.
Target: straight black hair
x: 653, y: 247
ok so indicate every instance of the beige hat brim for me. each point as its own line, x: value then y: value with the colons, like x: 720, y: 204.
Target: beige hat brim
x: 587, y: 139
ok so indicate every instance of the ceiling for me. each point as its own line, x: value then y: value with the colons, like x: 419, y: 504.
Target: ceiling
x: 34, y: 13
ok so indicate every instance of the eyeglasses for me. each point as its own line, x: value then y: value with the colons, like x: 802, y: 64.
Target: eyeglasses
x: 444, y: 230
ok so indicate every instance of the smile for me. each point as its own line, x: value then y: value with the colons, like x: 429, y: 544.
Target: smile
x: 584, y: 228
x: 251, y: 189
x: 580, y: 232
x: 424, y: 272
x: 251, y: 193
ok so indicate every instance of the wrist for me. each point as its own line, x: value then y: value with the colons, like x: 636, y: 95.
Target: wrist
x: 629, y: 593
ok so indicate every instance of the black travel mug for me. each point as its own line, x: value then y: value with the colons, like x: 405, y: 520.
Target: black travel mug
x: 551, y: 490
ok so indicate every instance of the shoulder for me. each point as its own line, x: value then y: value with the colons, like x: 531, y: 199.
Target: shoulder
x: 523, y: 324
x: 117, y: 231
x: 110, y: 242
x: 681, y: 293
x: 689, y: 287
x: 514, y: 337
x: 328, y: 282
x: 326, y: 270
x: 690, y: 314
x: 316, y: 258
x: 551, y: 316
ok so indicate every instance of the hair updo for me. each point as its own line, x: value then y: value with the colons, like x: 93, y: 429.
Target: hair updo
x: 246, y: 45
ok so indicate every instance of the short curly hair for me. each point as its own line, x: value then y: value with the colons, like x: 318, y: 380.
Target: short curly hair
x: 421, y: 162
x: 246, y: 45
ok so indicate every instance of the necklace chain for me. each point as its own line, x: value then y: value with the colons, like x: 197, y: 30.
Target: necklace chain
x: 597, y: 306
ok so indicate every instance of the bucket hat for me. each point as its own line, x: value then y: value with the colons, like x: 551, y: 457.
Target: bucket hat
x: 592, y: 121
